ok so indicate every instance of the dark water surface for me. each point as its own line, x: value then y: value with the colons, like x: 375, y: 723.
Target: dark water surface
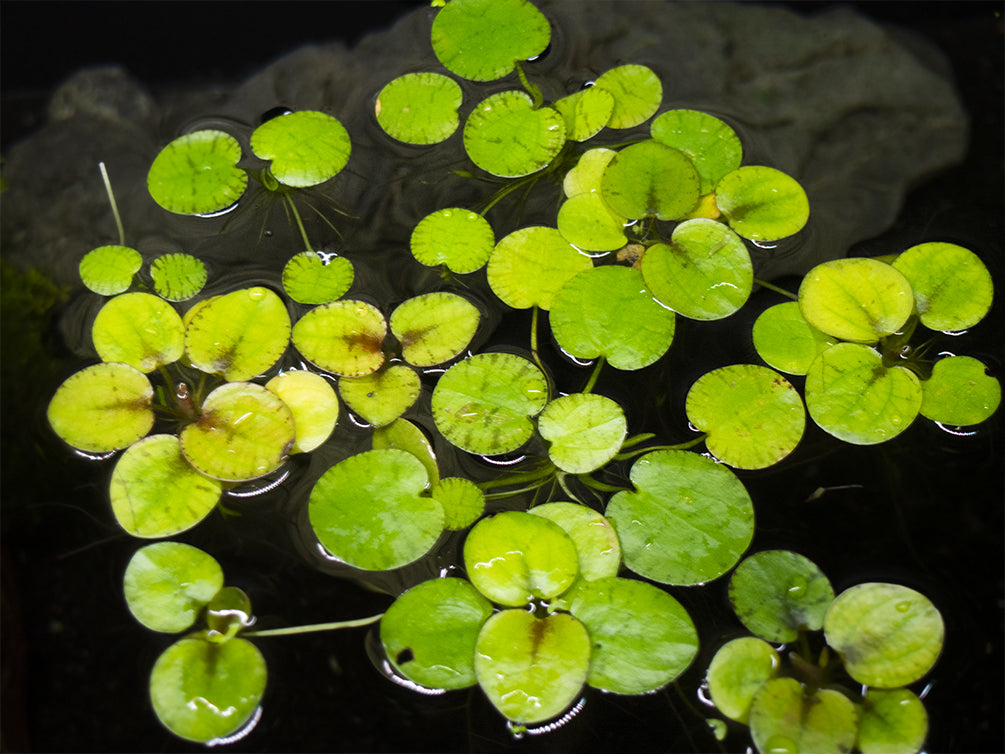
x: 925, y: 510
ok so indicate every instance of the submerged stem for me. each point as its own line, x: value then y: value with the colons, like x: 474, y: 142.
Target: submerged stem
x: 291, y: 630
x: 287, y: 199
x: 776, y: 289
x: 642, y: 451
x: 596, y: 373
x: 111, y: 200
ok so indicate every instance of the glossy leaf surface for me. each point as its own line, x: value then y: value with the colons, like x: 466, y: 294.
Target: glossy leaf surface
x: 419, y: 108
x: 960, y: 392
x: 383, y: 396
x: 597, y: 548
x: 637, y: 93
x: 787, y: 717
x: 312, y: 401
x: 306, y: 147
x: 167, y: 584
x: 507, y: 136
x: 462, y: 500
x: 710, y: 143
x: 456, y: 237
x: 344, y: 337
x: 434, y: 327
x: 952, y: 287
x: 197, y: 174
x: 584, y: 431
x: 737, y: 672
x: 368, y: 511
x: 762, y: 203
x: 108, y: 270
x: 138, y: 329
x: 786, y: 341
x: 530, y: 265
x: 650, y: 179
x: 310, y: 278
x: 403, y: 435
x: 586, y: 112
x: 688, y: 521
x: 178, y: 277
x: 892, y: 721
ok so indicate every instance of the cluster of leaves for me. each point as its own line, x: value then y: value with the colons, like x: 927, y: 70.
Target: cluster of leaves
x: 877, y: 635
x: 651, y: 229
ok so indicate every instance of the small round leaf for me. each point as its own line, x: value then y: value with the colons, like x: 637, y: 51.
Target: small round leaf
x: 960, y: 392
x: 608, y: 311
x: 786, y: 717
x: 585, y: 431
x: 458, y: 238
x: 889, y: 635
x: 711, y: 144
x: 178, y: 277
x: 344, y: 337
x: 138, y: 329
x: 762, y: 203
x: 381, y: 397
x: 484, y: 404
x: 203, y: 691
x: 306, y: 147
x: 753, y: 416
x: 197, y: 174
x: 108, y: 270
x: 429, y: 633
x: 368, y: 511
x: 650, y: 179
x: 462, y: 500
x: 239, y: 335
x: 156, y: 492
x: 637, y: 93
x: 703, y: 273
x: 596, y: 542
x: 851, y: 395
x: 776, y: 593
x: 786, y: 341
x: 952, y: 287
x: 892, y: 721
x: 531, y: 668
x: 506, y: 136
x: 737, y: 672
x: 167, y: 584
x: 434, y: 327
x: 856, y: 299
x: 312, y: 278
x: 419, y: 108
x: 103, y: 407
x: 481, y: 40
x: 688, y: 521
x: 244, y: 431
x: 588, y: 223
x: 586, y: 112
x: 529, y: 265
x: 642, y: 637
x: 515, y: 557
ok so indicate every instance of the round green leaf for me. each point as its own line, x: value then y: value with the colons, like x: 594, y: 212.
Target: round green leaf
x: 711, y: 145
x: 777, y: 593
x: 887, y: 634
x: 156, y: 492
x: 506, y: 136
x: 952, y: 287
x: 588, y: 173
x: 404, y: 435
x: 650, y: 179
x: 960, y: 392
x: 892, y: 721
x: 458, y: 238
x: 383, y: 396
x: 462, y: 500
x: 531, y: 668
x: 482, y: 40
x: 588, y: 223
x: 434, y: 327
x: 178, y: 277
x: 608, y: 311
x: 737, y: 672
x: 312, y: 278
x: 368, y: 511
x: 515, y: 557
x: 856, y: 299
x: 753, y: 416
x: 786, y: 341
x: 597, y: 546
x: 762, y: 203
x: 202, y: 690
x: 637, y: 93
x: 312, y: 401
x: 344, y: 337
x: 688, y: 521
x: 167, y: 584
x: 103, y: 407
x: 785, y: 717
x: 852, y: 396
x: 244, y: 431
x: 197, y: 174
x: 483, y: 404
x: 642, y: 637
x: 419, y: 108
x: 239, y: 335
x: 584, y: 431
x: 109, y: 269
x: 586, y: 112
x: 703, y: 273
x: 306, y: 147
x: 138, y: 329
x: 529, y: 265
x: 429, y: 633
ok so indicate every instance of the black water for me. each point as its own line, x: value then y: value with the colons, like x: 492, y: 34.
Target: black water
x: 924, y: 510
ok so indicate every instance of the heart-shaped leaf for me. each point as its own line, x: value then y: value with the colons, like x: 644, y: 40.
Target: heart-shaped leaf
x: 312, y: 278
x: 584, y: 430
x: 344, y: 337
x: 383, y: 396
x: 306, y: 147
x: 529, y: 265
x: 650, y: 179
x: 506, y: 136
x: 762, y: 203
x: 434, y: 327
x: 167, y: 584
x: 458, y: 238
x: 197, y: 174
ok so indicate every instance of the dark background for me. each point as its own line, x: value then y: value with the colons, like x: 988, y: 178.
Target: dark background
x: 928, y: 514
